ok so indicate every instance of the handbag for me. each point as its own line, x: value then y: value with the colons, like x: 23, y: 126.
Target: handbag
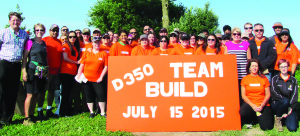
x: 41, y: 70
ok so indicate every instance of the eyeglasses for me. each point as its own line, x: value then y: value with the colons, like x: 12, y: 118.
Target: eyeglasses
x: 40, y: 30
x: 284, y: 67
x: 259, y: 30
x: 86, y: 34
x: 105, y: 38
x: 248, y: 28
x: 72, y: 37
x: 65, y: 30
x: 133, y: 32
x: 147, y: 29
x: 163, y: 41
x: 129, y: 39
x: 78, y: 32
x: 211, y: 40
x: 234, y: 34
x: 54, y: 30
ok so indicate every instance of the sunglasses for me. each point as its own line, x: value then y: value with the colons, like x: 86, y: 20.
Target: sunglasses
x: 85, y: 34
x: 234, y: 34
x: 147, y: 29
x: 277, y: 27
x: 65, y: 30
x: 133, y: 32
x: 200, y: 38
x: 163, y: 41
x: 129, y: 39
x: 211, y: 40
x: 95, y: 32
x: 248, y: 28
x: 54, y: 30
x: 284, y: 35
x: 259, y: 30
x: 173, y: 36
x: 72, y: 37
x: 105, y: 38
x: 40, y: 30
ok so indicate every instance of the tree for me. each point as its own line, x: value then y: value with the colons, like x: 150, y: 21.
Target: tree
x: 196, y: 19
x: 126, y: 14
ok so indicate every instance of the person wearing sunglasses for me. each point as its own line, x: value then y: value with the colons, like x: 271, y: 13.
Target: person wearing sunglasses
x: 121, y: 48
x: 79, y: 34
x: 36, y: 54
x: 129, y: 40
x: 86, y: 34
x: 173, y: 40
x: 200, y: 40
x: 286, y: 49
x: 142, y: 49
x: 263, y: 49
x: 193, y: 42
x: 284, y: 94
x: 277, y: 27
x: 163, y: 47
x: 146, y: 29
x: 105, y: 46
x: 64, y: 30
x: 225, y: 38
x: 163, y: 32
x: 54, y: 57
x: 211, y: 47
x: 96, y: 32
x: 248, y: 28
x: 68, y: 71
x: 93, y: 65
x: 245, y: 37
x: 183, y: 48
x: 134, y: 34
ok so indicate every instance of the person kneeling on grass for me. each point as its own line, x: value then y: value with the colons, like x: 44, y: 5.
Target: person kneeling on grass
x: 256, y: 94
x: 93, y: 65
x: 284, y: 94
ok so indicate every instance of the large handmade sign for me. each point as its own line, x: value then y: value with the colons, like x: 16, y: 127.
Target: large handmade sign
x: 173, y: 93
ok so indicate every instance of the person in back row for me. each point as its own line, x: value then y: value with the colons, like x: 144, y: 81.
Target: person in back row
x: 173, y: 40
x: 248, y: 28
x: 144, y: 48
x: 183, y: 48
x: 121, y: 48
x: 277, y: 27
x: 86, y: 34
x: 134, y: 34
x: 263, y: 49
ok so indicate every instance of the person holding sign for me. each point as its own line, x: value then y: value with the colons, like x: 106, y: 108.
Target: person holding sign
x: 144, y: 48
x: 284, y: 94
x: 163, y: 47
x: 256, y: 94
x: 183, y: 48
x: 211, y: 47
x: 93, y: 65
x: 121, y: 48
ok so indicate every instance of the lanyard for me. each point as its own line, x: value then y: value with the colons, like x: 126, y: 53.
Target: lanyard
x: 16, y: 38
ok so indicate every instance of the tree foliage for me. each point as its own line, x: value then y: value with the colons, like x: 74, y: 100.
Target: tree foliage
x: 196, y: 19
x: 126, y: 14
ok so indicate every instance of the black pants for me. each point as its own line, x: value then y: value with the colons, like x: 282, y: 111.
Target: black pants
x: 67, y: 82
x: 9, y: 83
x: 93, y: 90
x: 265, y: 120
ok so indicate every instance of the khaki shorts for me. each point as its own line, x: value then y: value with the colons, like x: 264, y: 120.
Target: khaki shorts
x: 53, y: 82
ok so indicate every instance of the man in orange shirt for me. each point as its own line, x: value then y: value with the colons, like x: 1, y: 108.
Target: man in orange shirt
x: 134, y: 41
x: 54, y: 50
x: 263, y: 49
x: 277, y: 27
x: 146, y: 29
x: 64, y: 30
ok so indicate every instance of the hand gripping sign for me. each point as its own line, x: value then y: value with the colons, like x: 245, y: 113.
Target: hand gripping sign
x: 173, y: 93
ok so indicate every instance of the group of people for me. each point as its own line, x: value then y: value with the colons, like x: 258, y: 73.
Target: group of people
x: 77, y: 62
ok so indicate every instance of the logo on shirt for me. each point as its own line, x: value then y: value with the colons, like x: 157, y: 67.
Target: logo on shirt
x: 241, y: 46
x: 210, y: 53
x: 100, y: 59
x: 164, y: 54
x: 258, y: 47
x: 124, y: 52
x: 274, y: 48
x: 258, y: 84
x: 290, y: 88
x: 188, y: 53
x: 63, y: 49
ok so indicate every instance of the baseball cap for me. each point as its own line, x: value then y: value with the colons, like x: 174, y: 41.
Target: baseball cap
x: 86, y: 30
x: 96, y: 38
x: 105, y: 34
x: 244, y: 34
x: 184, y: 36
x: 96, y: 29
x: 174, y: 33
x: 202, y: 35
x: 225, y: 36
x: 53, y: 26
x: 277, y: 24
x: 219, y: 35
x: 144, y: 36
x: 176, y: 30
x: 163, y: 30
x: 285, y: 31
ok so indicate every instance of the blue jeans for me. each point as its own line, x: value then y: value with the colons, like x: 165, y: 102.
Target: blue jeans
x: 281, y: 107
x: 269, y: 76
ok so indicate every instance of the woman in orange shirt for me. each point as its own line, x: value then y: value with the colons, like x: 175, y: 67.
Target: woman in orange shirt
x: 142, y: 49
x: 286, y: 49
x: 211, y: 47
x: 121, y: 48
x: 152, y: 40
x: 68, y: 71
x: 193, y: 42
x: 93, y: 65
x: 183, y: 48
x: 86, y: 34
x: 256, y: 94
x: 163, y: 47
x: 105, y: 46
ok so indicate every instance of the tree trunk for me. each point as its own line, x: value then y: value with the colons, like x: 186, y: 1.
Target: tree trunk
x: 165, y: 18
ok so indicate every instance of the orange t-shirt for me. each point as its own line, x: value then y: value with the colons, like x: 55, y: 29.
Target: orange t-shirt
x: 84, y: 46
x: 158, y: 51
x: 93, y: 64
x: 299, y: 57
x: 251, y: 38
x: 118, y: 49
x: 140, y: 51
x: 291, y: 54
x: 209, y: 51
x: 66, y: 67
x: 54, y: 57
x: 173, y: 45
x: 258, y: 44
x: 255, y: 88
x: 179, y: 50
x: 276, y: 39
x: 134, y: 43
x: 105, y: 48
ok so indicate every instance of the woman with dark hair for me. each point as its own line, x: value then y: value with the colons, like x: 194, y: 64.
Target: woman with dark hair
x: 163, y: 47
x: 121, y: 48
x: 193, y: 43
x: 286, y: 49
x: 284, y: 94
x: 68, y: 71
x: 256, y: 94
x: 144, y: 48
x: 211, y: 47
x: 152, y: 40
x: 201, y: 38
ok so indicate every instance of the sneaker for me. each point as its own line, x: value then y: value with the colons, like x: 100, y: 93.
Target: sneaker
x: 248, y: 126
x: 92, y: 115
x: 103, y: 115
x: 40, y: 116
x: 28, y: 122
x: 50, y: 114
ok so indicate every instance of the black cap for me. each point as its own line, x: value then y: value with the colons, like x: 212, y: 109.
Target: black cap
x: 184, y: 36
x: 105, y: 34
x: 163, y: 30
x: 225, y: 36
x: 285, y: 31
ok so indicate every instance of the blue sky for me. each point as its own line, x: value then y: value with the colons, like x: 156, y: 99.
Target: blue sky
x: 74, y: 13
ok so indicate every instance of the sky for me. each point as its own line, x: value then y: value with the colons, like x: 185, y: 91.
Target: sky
x: 74, y: 13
